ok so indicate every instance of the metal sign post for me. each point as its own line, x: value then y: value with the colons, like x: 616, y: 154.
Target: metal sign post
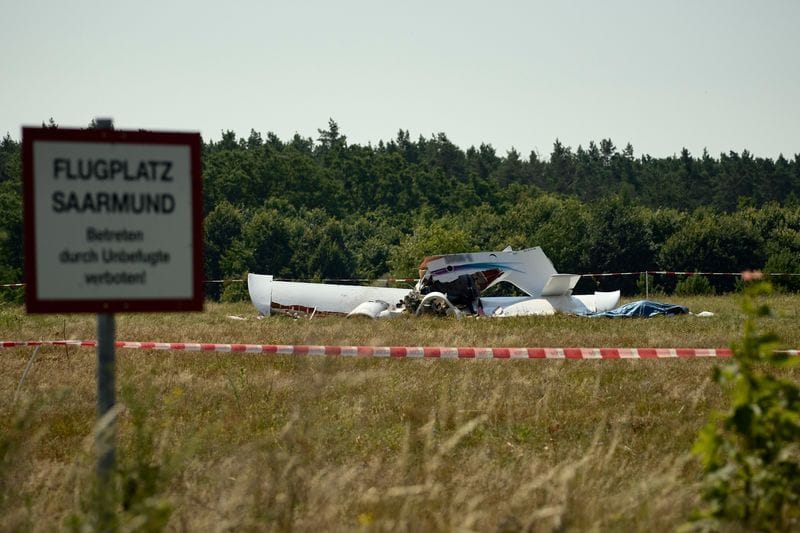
x: 105, y: 438
x: 106, y: 432
x: 113, y: 223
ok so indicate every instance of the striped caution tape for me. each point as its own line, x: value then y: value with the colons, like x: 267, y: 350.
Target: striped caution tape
x: 609, y: 274
x: 414, y: 280
x: 681, y: 273
x: 409, y: 352
x: 687, y: 273
x: 308, y: 280
x: 325, y: 280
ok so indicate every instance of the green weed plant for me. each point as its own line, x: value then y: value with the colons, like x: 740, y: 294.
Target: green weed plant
x: 751, y: 452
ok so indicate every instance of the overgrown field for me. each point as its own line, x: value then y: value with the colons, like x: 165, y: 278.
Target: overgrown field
x: 210, y: 441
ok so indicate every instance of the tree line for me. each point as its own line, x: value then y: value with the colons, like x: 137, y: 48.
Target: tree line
x: 324, y: 208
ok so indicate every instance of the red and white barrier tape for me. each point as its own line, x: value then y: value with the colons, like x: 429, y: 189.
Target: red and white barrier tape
x: 681, y: 273
x: 686, y: 273
x: 608, y: 274
x: 410, y: 352
x: 414, y: 280
x: 326, y: 280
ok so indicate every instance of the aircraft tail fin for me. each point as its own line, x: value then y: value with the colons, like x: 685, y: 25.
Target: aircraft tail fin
x: 560, y: 284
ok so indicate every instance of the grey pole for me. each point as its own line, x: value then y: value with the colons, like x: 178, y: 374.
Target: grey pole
x: 105, y: 438
x: 106, y: 371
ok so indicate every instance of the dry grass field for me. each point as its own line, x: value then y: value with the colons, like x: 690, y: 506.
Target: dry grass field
x: 216, y: 442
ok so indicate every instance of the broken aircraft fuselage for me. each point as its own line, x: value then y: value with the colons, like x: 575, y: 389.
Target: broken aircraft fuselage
x: 450, y: 284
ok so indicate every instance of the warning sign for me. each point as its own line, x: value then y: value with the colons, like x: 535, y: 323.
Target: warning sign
x: 113, y: 220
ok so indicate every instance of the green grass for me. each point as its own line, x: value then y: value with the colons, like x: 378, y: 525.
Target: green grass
x: 258, y: 442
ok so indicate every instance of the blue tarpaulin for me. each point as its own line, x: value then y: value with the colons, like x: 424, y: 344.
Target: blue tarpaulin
x: 644, y: 309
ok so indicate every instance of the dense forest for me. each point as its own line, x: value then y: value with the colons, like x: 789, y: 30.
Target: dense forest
x: 324, y: 208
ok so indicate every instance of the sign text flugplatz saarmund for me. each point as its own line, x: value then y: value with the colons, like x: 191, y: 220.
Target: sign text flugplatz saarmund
x: 113, y: 220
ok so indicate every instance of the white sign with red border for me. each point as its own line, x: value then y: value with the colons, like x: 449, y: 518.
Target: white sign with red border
x: 113, y: 220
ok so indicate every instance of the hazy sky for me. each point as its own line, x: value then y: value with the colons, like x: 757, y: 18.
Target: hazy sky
x: 722, y: 75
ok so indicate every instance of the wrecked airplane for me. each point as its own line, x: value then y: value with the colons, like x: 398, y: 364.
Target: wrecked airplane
x: 450, y: 284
